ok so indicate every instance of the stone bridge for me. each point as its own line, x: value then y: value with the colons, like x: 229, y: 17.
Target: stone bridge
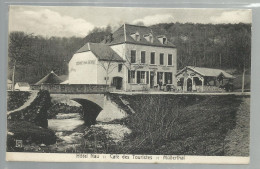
x: 92, y: 105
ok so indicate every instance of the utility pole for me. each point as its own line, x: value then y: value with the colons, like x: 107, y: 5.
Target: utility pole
x: 243, y: 79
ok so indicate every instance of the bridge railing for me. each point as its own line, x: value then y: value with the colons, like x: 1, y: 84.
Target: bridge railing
x: 74, y: 88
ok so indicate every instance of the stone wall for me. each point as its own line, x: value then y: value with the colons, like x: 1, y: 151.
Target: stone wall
x: 75, y: 88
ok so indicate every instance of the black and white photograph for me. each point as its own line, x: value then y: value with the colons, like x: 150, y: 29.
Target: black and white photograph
x: 128, y: 84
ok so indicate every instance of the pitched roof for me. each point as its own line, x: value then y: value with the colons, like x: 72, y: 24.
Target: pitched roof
x: 51, y: 78
x: 23, y: 84
x: 64, y: 77
x: 101, y: 51
x: 123, y: 34
x: 207, y: 71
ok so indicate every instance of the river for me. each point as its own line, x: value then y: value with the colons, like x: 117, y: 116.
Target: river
x: 70, y: 131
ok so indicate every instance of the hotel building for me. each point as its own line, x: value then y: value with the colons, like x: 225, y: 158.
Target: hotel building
x: 131, y: 58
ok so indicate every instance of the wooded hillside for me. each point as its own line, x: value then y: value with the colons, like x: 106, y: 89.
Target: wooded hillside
x: 226, y: 46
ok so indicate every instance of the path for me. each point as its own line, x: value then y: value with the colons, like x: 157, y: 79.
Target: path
x: 27, y: 103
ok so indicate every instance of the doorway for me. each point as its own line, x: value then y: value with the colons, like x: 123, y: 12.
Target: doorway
x: 117, y: 82
x: 189, y: 85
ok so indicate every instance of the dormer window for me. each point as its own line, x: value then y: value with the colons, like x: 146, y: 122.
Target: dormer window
x: 162, y: 39
x: 136, y: 36
x: 149, y: 37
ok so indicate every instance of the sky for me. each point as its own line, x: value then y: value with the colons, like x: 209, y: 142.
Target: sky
x: 67, y: 21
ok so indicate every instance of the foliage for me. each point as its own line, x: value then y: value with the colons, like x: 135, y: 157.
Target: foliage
x: 189, y: 125
x: 29, y: 133
x: 226, y: 46
x: 36, y: 112
x: 16, y: 99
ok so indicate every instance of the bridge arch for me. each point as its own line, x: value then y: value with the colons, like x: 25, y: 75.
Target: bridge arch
x: 91, y: 110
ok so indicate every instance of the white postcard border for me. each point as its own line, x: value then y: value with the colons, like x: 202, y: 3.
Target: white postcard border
x: 125, y: 158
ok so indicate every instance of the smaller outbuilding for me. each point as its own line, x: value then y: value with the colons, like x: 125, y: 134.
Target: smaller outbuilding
x: 22, y: 86
x: 9, y: 84
x: 201, y: 79
x: 51, y: 78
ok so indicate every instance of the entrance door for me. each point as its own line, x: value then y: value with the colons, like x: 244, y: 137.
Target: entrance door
x: 117, y: 82
x: 189, y: 84
x: 151, y: 79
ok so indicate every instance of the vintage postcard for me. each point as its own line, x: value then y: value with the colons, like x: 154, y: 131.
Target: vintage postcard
x: 131, y: 85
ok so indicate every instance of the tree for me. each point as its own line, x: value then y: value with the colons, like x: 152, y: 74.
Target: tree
x: 20, y: 51
x: 109, y: 64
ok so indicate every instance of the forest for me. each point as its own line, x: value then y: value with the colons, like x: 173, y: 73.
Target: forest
x: 225, y: 46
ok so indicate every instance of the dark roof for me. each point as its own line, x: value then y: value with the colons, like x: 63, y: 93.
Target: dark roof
x: 101, y: 51
x: 121, y: 36
x: 64, y: 77
x: 51, y: 78
x: 207, y: 72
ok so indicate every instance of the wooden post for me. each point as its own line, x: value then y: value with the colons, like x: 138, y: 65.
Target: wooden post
x: 13, y: 75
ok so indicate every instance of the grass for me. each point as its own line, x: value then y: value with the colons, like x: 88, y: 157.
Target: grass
x: 189, y: 125
x: 237, y: 140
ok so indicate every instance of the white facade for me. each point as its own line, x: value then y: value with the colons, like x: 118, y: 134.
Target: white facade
x: 83, y: 68
x: 132, y: 58
x: 22, y: 86
x: 150, y: 79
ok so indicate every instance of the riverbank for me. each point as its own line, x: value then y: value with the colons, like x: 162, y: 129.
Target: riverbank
x: 185, y: 124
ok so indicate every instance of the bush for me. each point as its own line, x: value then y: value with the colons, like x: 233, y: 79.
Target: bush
x: 29, y: 133
x: 16, y: 99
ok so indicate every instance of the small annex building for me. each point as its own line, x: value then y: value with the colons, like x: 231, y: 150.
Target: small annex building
x: 50, y: 78
x: 22, y: 86
x: 9, y: 84
x: 200, y: 79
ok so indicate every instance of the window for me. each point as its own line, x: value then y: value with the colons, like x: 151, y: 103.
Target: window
x: 137, y: 37
x: 151, y: 38
x: 161, y: 58
x: 164, y: 40
x: 142, y: 56
x: 168, y: 78
x: 120, y: 67
x: 131, y: 76
x: 160, y: 77
x: 133, y: 56
x: 169, y: 59
x: 152, y: 58
x: 140, y: 77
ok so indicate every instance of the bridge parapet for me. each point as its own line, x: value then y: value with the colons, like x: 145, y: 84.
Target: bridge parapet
x: 75, y: 88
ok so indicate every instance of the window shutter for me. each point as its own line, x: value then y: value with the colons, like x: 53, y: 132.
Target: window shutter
x: 138, y: 76
x: 128, y: 76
